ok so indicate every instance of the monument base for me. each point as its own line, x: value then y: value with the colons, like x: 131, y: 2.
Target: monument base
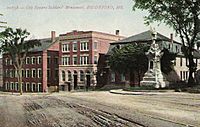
x: 151, y: 80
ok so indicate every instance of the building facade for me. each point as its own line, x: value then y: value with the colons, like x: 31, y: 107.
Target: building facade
x: 180, y: 72
x: 79, y: 57
x: 40, y: 69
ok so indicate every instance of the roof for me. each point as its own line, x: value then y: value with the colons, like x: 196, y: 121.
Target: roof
x: 45, y: 44
x: 143, y: 37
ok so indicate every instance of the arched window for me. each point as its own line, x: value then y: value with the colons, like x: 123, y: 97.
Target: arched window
x: 63, y: 75
x: 69, y: 76
x: 82, y: 76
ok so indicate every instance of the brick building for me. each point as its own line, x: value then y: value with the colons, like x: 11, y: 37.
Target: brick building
x: 79, y: 56
x: 40, y: 70
x: 180, y: 73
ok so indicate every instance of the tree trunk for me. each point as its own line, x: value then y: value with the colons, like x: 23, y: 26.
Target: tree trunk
x: 132, y: 78
x: 19, y: 72
x: 139, y: 78
x: 192, y: 69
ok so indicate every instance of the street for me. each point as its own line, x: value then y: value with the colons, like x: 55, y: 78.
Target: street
x: 99, y: 108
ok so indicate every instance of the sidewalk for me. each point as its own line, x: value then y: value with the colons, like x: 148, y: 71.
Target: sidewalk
x: 121, y: 91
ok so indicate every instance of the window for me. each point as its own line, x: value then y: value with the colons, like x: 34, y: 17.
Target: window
x: 65, y: 47
x: 74, y: 46
x: 112, y: 77
x: 95, y: 45
x: 187, y: 62
x: 27, y: 60
x: 95, y: 60
x: 39, y: 59
x: 23, y: 73
x: 33, y: 87
x: 56, y: 74
x: 82, y: 77
x: 33, y: 60
x: 39, y: 73
x: 84, y: 46
x: 181, y: 61
x: 12, y: 86
x: 48, y: 74
x: 8, y: 87
x: 63, y: 76
x: 66, y: 60
x: 181, y: 74
x: 7, y: 73
x: 48, y: 60
x: 33, y: 73
x: 16, y: 86
x: 12, y: 74
x: 39, y: 87
x: 84, y: 60
x: 75, y: 60
x: 28, y: 87
x: 151, y: 64
x: 177, y: 49
x: 69, y: 76
x: 122, y: 77
x: 27, y: 73
x: 56, y: 60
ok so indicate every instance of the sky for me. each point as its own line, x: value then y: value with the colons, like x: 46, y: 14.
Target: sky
x: 40, y: 17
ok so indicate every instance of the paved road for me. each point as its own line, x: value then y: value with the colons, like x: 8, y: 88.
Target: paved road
x: 96, y: 109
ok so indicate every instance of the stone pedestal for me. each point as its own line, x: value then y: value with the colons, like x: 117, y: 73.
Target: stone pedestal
x: 154, y: 77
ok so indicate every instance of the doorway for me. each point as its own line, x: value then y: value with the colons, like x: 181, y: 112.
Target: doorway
x: 87, y: 81
x: 75, y: 81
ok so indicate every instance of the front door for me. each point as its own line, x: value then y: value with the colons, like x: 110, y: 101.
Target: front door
x: 75, y: 81
x: 87, y: 81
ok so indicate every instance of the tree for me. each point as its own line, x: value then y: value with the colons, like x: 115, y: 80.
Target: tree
x: 14, y: 45
x: 183, y: 16
x: 166, y: 61
x: 130, y: 59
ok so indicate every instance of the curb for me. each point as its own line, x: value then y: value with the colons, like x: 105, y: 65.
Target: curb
x: 122, y: 92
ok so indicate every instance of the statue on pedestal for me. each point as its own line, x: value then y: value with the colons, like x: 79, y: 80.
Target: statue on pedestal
x: 153, y: 76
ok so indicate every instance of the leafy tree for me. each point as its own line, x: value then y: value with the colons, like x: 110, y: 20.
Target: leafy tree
x: 14, y: 45
x: 183, y: 16
x: 166, y: 61
x: 130, y: 59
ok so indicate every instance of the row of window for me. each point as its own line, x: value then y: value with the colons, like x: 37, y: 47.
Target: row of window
x: 27, y: 87
x: 113, y: 77
x: 184, y: 75
x: 83, y: 60
x: 84, y: 46
x: 186, y: 61
x: 33, y: 60
x: 34, y: 73
x: 69, y: 76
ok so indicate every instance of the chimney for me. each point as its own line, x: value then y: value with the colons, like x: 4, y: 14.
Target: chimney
x: 171, y: 37
x: 53, y: 36
x: 117, y: 32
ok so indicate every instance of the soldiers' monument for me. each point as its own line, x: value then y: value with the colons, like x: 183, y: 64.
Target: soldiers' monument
x: 153, y: 76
